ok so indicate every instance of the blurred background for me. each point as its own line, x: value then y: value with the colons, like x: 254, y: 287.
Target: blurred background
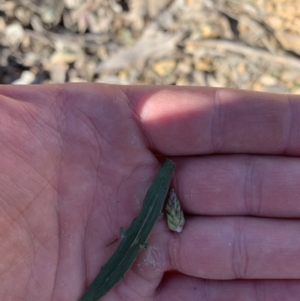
x: 247, y: 44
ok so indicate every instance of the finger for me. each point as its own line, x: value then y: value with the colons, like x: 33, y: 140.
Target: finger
x: 225, y: 248
x: 180, y: 287
x: 192, y: 121
x: 239, y: 185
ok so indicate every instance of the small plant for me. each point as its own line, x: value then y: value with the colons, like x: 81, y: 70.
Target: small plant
x: 134, y: 239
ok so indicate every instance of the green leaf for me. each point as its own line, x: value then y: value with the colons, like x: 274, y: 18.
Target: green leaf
x: 134, y: 239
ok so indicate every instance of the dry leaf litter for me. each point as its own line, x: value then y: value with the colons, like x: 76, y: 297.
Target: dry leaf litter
x: 250, y: 44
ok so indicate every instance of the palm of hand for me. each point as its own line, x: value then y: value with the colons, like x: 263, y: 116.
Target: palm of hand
x: 70, y: 182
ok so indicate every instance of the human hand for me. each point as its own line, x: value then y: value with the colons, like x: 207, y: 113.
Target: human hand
x: 77, y: 159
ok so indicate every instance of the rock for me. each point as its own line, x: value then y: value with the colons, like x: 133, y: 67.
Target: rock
x: 14, y: 34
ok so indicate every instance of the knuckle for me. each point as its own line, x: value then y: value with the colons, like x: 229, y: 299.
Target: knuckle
x: 240, y: 256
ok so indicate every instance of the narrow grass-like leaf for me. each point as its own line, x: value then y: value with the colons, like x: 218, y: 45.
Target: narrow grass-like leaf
x: 134, y: 239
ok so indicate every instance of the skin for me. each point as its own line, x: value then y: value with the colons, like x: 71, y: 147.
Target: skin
x: 77, y: 160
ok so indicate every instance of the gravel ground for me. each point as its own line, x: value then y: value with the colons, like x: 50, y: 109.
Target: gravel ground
x: 250, y: 44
